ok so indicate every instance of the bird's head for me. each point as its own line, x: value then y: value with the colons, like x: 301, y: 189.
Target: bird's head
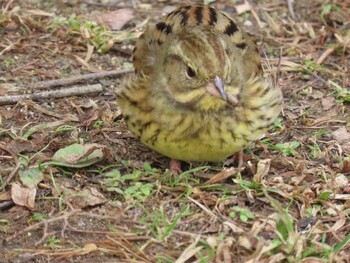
x: 198, y: 68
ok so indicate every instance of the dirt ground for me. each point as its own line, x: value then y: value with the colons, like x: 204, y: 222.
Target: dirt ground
x: 108, y: 198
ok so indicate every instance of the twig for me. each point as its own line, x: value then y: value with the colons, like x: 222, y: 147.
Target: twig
x: 64, y: 217
x: 75, y: 79
x: 13, y: 172
x: 25, y: 65
x: 205, y: 209
x: 9, y: 47
x: 66, y: 116
x: 325, y: 55
x: 73, y: 91
x: 42, y: 223
x: 291, y: 9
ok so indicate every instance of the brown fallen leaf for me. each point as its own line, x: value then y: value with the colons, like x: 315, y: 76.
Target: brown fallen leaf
x: 85, y: 198
x: 328, y: 102
x: 242, y: 8
x: 20, y: 145
x: 23, y: 195
x: 117, y: 19
x: 342, y: 136
x: 263, y: 168
x: 338, y: 182
x: 224, y: 174
x: 5, y: 196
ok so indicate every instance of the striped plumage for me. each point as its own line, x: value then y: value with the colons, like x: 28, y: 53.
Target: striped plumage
x: 199, y: 93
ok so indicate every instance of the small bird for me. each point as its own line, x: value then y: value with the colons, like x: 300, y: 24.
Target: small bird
x: 199, y: 92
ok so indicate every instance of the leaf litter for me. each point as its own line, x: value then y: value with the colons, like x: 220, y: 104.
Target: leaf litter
x: 112, y: 199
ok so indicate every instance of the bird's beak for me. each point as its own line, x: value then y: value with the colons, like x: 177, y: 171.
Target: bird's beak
x: 219, y: 85
x: 217, y: 88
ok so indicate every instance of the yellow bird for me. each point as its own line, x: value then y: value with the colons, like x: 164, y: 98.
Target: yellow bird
x: 199, y: 93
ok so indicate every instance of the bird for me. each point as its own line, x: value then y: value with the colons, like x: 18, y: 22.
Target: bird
x: 199, y: 92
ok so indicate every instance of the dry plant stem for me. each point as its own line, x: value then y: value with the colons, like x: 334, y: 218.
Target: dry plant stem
x: 325, y: 55
x: 45, y: 223
x: 136, y: 252
x: 13, y: 172
x: 75, y: 79
x: 291, y: 9
x: 25, y: 65
x: 73, y: 91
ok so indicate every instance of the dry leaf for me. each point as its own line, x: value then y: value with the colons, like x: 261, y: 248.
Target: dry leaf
x: 339, y: 182
x: 117, y: 19
x: 224, y: 174
x: 85, y: 198
x: 24, y: 196
x: 316, y: 94
x: 242, y: 8
x: 189, y: 252
x: 342, y: 136
x: 328, y: 102
x: 263, y: 168
x: 88, y: 248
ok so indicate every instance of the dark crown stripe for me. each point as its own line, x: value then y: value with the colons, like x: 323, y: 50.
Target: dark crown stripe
x: 231, y: 28
x: 161, y: 26
x: 213, y: 16
x: 199, y: 14
x: 185, y: 18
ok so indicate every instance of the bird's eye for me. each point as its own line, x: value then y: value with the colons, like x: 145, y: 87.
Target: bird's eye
x: 190, y: 73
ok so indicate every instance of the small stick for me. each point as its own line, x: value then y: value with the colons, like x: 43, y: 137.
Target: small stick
x: 25, y: 65
x: 73, y: 91
x: 291, y: 9
x: 75, y: 79
x: 325, y: 55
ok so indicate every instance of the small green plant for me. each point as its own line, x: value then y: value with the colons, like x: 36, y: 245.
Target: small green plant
x: 324, y: 195
x: 326, y: 9
x: 277, y: 125
x: 287, y: 148
x: 246, y: 184
x: 320, y: 133
x: 207, y: 253
x: 311, y: 66
x: 4, y: 225
x: 315, y: 151
x: 306, y: 91
x: 139, y: 191
x: 287, y: 237
x: 39, y: 216
x: 164, y: 259
x: 92, y: 34
x: 2, y: 183
x: 8, y: 62
x: 64, y: 128
x: 53, y: 242
x: 98, y: 124
x: 159, y: 224
x: 185, y: 178
x: 243, y: 214
x: 341, y: 94
x: 324, y: 250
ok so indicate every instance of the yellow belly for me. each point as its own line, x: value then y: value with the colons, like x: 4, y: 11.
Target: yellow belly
x: 195, y: 150
x: 214, y: 142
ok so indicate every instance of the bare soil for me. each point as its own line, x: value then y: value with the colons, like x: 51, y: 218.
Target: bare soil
x: 290, y: 203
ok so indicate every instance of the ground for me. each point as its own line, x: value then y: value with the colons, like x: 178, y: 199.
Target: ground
x: 108, y: 198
